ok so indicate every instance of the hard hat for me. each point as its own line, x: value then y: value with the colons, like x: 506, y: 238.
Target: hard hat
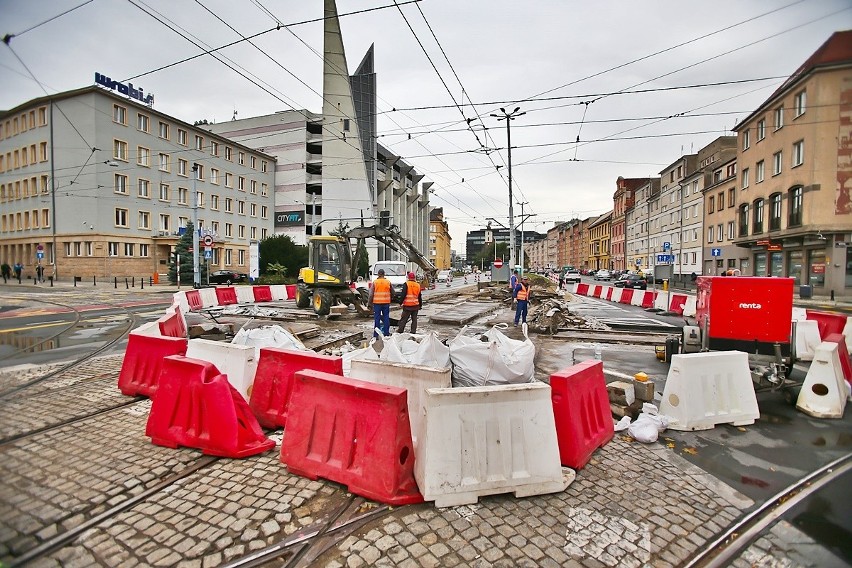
x: 411, y: 276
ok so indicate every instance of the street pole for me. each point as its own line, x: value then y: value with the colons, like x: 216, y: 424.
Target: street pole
x: 522, y: 203
x: 509, y: 117
x: 196, y: 269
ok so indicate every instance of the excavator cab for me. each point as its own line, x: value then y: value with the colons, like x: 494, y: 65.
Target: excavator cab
x: 328, y: 275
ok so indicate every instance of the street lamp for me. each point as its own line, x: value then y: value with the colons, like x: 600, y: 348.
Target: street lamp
x: 509, y: 117
x: 196, y: 270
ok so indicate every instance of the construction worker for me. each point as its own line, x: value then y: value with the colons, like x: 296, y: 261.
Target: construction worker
x: 380, y: 299
x: 513, y: 281
x: 412, y: 301
x: 521, y: 294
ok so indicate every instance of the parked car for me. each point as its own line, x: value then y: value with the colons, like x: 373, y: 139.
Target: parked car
x: 631, y: 281
x: 227, y: 277
x: 443, y: 275
x: 603, y: 274
x: 571, y: 275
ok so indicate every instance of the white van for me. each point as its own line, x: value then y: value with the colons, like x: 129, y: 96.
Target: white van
x: 396, y: 271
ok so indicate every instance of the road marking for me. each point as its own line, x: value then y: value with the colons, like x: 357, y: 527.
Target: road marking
x: 35, y: 327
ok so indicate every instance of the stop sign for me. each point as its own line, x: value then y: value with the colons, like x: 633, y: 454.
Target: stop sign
x: 498, y: 263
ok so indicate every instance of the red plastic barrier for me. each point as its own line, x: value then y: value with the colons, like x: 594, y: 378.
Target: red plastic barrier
x: 291, y: 291
x: 193, y: 298
x: 596, y: 291
x: 273, y: 381
x: 172, y: 325
x: 581, y: 407
x: 677, y: 303
x: 583, y: 289
x: 626, y: 296
x: 828, y: 322
x: 196, y: 407
x: 845, y: 361
x: 648, y: 300
x: 353, y: 432
x: 226, y: 296
x: 262, y: 294
x: 143, y: 361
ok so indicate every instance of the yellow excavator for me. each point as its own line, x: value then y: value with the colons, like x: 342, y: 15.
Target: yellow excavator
x: 332, y: 268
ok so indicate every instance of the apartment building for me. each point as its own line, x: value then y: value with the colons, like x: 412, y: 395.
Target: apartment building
x: 622, y: 201
x: 636, y: 220
x: 93, y: 183
x: 665, y: 220
x: 440, y: 252
x: 794, y: 212
x: 599, y: 240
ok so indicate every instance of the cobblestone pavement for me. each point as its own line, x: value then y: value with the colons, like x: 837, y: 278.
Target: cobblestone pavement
x: 785, y: 546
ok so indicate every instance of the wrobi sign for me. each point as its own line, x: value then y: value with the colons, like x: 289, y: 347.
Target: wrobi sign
x: 127, y: 90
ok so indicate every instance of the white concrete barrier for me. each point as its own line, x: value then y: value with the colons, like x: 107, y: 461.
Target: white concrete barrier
x: 279, y: 292
x: 413, y: 378
x: 807, y: 339
x: 800, y: 314
x: 661, y: 302
x: 245, y: 294
x: 638, y: 295
x: 616, y: 294
x: 488, y: 440
x: 179, y: 298
x: 824, y: 391
x: 151, y: 328
x: 690, y: 309
x: 237, y: 361
x: 208, y: 297
x: 705, y: 389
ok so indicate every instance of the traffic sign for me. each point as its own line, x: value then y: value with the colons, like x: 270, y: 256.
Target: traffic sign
x: 638, y: 262
x: 39, y: 248
x: 665, y: 258
x: 498, y: 263
x: 667, y: 246
x: 39, y: 255
x: 208, y: 253
x: 208, y: 241
x: 716, y: 252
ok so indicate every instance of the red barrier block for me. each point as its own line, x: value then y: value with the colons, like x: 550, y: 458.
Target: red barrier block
x: 226, y: 296
x: 262, y: 294
x: 626, y: 296
x: 609, y: 290
x: 353, y: 432
x: 583, y: 289
x: 677, y: 303
x: 648, y: 300
x: 828, y: 322
x: 581, y: 408
x: 193, y: 298
x: 196, y: 407
x: 596, y: 291
x: 845, y: 361
x: 172, y: 325
x: 291, y: 291
x: 273, y: 381
x: 143, y: 361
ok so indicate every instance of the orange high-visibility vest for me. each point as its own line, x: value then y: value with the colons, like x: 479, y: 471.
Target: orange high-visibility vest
x: 381, y: 291
x: 522, y: 293
x: 412, y: 298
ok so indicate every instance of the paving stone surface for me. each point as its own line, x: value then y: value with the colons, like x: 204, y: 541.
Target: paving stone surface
x: 785, y: 546
x: 92, y: 369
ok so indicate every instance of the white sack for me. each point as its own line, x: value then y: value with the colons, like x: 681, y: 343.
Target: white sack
x: 381, y: 348
x: 268, y: 336
x: 426, y: 350
x: 491, y: 359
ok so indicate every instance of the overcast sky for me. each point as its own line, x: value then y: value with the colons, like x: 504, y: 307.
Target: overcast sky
x: 566, y: 64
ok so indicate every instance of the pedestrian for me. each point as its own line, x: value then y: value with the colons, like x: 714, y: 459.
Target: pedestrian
x: 40, y: 273
x: 412, y: 302
x: 18, y: 269
x: 380, y: 299
x: 7, y: 271
x: 521, y: 294
x: 513, y: 281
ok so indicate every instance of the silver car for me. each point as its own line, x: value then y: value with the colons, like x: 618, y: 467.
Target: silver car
x: 603, y: 274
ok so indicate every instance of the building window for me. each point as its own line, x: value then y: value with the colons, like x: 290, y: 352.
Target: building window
x: 182, y: 195
x: 182, y: 167
x: 263, y: 212
x: 730, y: 230
x: 241, y: 231
x: 776, y: 163
x: 142, y: 122
x: 199, y: 199
x: 181, y: 137
x: 253, y: 209
x: 720, y: 233
x: 143, y: 187
x: 229, y: 180
x: 264, y: 190
x: 253, y: 161
x: 90, y: 248
x: 779, y: 118
x: 263, y: 166
x: 744, y: 213
x: 241, y: 207
x: 228, y: 256
x: 143, y: 250
x: 711, y: 204
x: 229, y: 230
x: 112, y: 249
x: 199, y: 171
x: 775, y: 212
x: 710, y: 234
x: 794, y: 200
x: 241, y: 255
x: 745, y: 178
x: 798, y: 153
x: 241, y: 183
x: 42, y: 116
x: 760, y: 171
x: 128, y: 249
x: 242, y: 159
x: 119, y: 114
x: 253, y: 233
x: 199, y: 142
x: 143, y: 156
x: 214, y: 148
x: 800, y: 104
x: 119, y: 150
x: 228, y: 204
x: 165, y: 162
x: 732, y: 197
x: 746, y: 139
x: 120, y: 184
x: 761, y: 129
x: 164, y: 131
x: 214, y: 202
x: 757, y: 225
x: 253, y: 187
x: 165, y: 223
x: 721, y: 200
x: 120, y: 217
x: 228, y: 155
x: 144, y: 220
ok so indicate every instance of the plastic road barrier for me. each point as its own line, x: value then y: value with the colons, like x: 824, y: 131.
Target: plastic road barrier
x: 352, y: 432
x: 606, y: 293
x: 626, y: 296
x: 278, y: 291
x: 193, y: 298
x: 196, y: 407
x: 226, y: 296
x: 843, y: 354
x: 488, y: 440
x: 150, y: 328
x: 143, y: 361
x: 209, y: 298
x: 677, y: 304
x: 690, y: 308
x: 262, y: 293
x: 824, y: 391
x: 291, y: 291
x: 172, y: 324
x: 706, y: 389
x: 615, y: 295
x: 596, y: 290
x: 828, y: 322
x: 179, y: 299
x: 662, y: 302
x: 245, y: 294
x: 581, y: 408
x: 413, y: 378
x: 807, y: 339
x: 581, y: 289
x: 237, y: 362
x: 273, y: 382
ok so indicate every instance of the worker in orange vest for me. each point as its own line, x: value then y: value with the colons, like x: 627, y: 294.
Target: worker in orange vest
x: 412, y: 301
x: 380, y: 299
x: 521, y: 294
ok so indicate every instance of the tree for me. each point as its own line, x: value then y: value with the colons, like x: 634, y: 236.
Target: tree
x: 486, y: 255
x: 182, y: 248
x: 281, y: 250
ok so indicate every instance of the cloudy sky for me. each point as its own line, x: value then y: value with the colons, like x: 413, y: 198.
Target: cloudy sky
x: 638, y: 83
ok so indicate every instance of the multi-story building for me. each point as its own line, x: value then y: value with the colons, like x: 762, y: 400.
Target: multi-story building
x: 542, y: 255
x: 794, y: 213
x: 622, y: 201
x: 599, y: 239
x: 93, y: 183
x: 440, y: 252
x: 637, y: 221
x: 665, y: 219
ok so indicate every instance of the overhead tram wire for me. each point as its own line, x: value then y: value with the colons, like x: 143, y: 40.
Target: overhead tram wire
x: 31, y: 28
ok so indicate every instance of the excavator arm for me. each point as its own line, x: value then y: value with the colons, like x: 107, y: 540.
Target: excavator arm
x: 393, y: 239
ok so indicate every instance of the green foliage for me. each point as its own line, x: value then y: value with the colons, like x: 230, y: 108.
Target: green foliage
x: 340, y: 230
x: 276, y: 268
x: 363, y: 262
x: 269, y: 279
x: 182, y: 249
x: 280, y: 250
x: 486, y: 255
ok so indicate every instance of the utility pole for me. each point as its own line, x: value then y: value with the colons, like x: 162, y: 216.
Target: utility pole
x: 509, y: 117
x: 196, y: 269
x: 523, y: 218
